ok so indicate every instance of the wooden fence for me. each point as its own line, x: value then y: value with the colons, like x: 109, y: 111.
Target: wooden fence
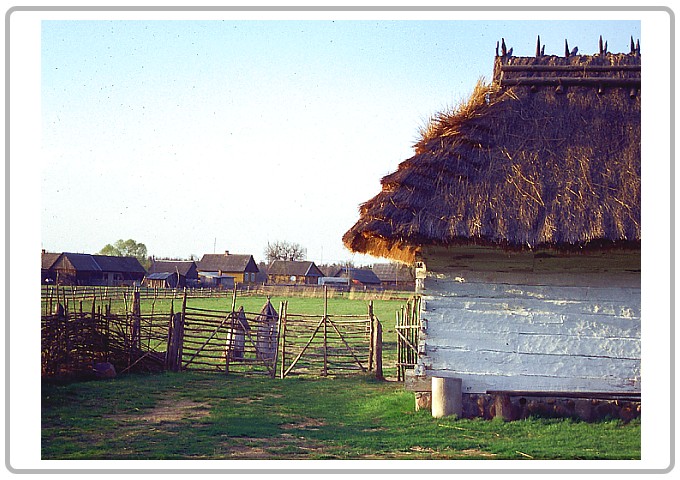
x: 75, y: 339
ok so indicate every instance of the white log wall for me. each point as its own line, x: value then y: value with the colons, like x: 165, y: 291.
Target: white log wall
x: 558, y: 324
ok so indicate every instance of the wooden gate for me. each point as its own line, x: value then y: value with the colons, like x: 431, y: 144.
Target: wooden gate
x: 326, y: 344
x: 218, y: 341
x: 408, y: 335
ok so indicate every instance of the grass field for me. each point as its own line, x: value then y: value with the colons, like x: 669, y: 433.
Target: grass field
x: 209, y: 416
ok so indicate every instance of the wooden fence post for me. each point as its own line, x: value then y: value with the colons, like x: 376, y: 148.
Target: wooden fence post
x: 173, y: 355
x: 134, y: 325
x: 282, y: 337
x: 377, y: 349
x: 169, y: 343
x: 325, y: 330
x: 181, y: 330
x: 370, y: 336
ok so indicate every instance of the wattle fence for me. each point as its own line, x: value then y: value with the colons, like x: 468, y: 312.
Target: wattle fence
x: 82, y: 333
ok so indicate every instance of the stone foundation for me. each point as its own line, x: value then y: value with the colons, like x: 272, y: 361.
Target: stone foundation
x: 519, y: 407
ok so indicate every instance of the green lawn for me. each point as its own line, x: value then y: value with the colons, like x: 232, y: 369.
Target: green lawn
x: 211, y: 416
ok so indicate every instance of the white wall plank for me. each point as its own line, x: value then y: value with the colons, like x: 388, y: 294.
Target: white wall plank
x: 509, y: 330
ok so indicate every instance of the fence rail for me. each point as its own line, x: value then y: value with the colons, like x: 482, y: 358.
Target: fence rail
x: 74, y: 295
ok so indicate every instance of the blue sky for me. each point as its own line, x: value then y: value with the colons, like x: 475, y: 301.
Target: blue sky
x: 202, y: 136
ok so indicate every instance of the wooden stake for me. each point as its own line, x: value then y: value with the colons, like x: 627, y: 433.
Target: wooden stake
x: 325, y: 330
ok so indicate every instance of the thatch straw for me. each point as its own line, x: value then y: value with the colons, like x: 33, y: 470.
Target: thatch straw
x: 518, y: 167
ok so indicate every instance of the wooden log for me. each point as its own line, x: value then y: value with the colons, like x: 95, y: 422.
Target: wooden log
x: 504, y: 408
x: 570, y: 68
x: 572, y: 81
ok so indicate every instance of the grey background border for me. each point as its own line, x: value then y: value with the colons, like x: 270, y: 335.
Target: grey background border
x: 340, y: 9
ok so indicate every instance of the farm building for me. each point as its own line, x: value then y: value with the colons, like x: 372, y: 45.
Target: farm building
x: 216, y: 280
x: 86, y: 269
x: 285, y: 272
x: 241, y: 267
x: 171, y: 274
x: 47, y: 273
x: 521, y: 211
x: 362, y: 277
x: 395, y: 275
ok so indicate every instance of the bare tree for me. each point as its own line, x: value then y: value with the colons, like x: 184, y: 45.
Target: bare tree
x: 283, y: 250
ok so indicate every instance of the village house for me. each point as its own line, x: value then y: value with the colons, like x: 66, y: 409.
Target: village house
x: 359, y: 277
x: 47, y: 274
x: 395, y: 275
x: 218, y: 266
x: 521, y: 211
x: 85, y: 269
x: 171, y: 274
x: 287, y: 272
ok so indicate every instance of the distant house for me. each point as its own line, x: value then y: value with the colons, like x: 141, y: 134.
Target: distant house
x: 47, y: 274
x: 215, y: 280
x: 359, y: 277
x: 86, y: 269
x: 172, y: 274
x: 395, y: 275
x: 241, y: 267
x: 293, y: 272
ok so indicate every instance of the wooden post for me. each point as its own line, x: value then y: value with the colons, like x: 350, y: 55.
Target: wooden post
x: 107, y: 330
x: 400, y: 347
x: 282, y: 336
x: 325, y: 330
x: 180, y: 335
x: 137, y: 316
x: 377, y: 349
x: 168, y: 348
x: 370, y: 336
x: 173, y: 360
x: 231, y: 336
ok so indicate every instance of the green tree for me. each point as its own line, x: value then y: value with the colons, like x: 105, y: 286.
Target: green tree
x: 127, y: 248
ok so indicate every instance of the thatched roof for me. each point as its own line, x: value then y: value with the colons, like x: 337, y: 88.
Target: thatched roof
x: 547, y: 155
